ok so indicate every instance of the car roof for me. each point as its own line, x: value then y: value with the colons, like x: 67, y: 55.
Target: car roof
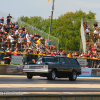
x: 58, y: 57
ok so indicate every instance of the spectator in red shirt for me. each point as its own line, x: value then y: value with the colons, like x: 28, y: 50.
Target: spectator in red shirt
x: 53, y: 53
x: 93, y: 48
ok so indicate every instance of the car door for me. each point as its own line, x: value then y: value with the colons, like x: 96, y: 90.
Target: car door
x: 68, y: 65
x: 75, y: 64
x: 61, y: 68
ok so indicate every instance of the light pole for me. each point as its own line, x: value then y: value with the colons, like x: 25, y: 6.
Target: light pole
x: 51, y: 19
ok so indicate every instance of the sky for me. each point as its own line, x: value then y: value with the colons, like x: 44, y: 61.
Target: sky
x: 18, y: 8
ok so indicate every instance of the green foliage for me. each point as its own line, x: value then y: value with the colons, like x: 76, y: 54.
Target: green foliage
x: 66, y: 27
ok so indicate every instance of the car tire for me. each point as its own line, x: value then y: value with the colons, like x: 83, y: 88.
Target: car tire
x: 29, y: 76
x: 73, y: 76
x: 52, y: 75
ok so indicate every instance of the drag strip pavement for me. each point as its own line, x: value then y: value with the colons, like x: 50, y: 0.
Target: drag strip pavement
x: 19, y: 83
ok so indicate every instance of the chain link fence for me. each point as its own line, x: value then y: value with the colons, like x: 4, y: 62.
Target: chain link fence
x: 91, y: 22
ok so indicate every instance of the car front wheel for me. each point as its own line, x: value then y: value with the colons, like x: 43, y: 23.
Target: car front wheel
x: 52, y: 75
x: 29, y: 76
x: 73, y: 76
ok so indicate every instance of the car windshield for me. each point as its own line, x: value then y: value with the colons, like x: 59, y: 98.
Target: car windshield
x: 39, y: 61
x: 52, y: 59
x: 47, y: 60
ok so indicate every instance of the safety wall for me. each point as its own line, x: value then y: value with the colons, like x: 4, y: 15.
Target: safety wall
x: 86, y: 71
x: 90, y: 72
x: 18, y: 70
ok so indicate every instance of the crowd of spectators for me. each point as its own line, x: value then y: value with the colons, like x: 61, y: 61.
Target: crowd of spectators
x: 92, y: 41
x: 12, y: 35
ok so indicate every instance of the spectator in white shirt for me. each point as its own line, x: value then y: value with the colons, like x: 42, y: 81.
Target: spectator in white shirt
x: 27, y: 35
x: 28, y: 40
x: 87, y: 31
x: 17, y: 32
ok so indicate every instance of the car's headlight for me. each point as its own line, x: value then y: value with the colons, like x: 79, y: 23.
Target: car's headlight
x: 26, y: 66
x: 45, y: 66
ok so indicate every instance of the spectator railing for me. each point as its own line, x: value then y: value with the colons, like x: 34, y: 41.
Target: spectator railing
x: 28, y: 58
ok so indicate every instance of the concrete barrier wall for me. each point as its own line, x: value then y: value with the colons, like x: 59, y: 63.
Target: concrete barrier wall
x: 53, y: 97
x: 11, y: 70
x: 3, y: 69
x: 18, y: 70
x: 88, y: 72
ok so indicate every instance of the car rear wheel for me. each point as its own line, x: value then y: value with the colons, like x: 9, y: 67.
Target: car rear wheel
x: 52, y: 75
x: 29, y: 76
x: 73, y: 76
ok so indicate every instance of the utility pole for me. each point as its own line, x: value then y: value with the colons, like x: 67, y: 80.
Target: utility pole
x: 51, y: 19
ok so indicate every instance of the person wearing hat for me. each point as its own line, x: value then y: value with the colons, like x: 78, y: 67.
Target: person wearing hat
x: 7, y: 57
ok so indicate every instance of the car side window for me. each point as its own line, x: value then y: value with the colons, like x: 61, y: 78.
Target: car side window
x: 73, y: 61
x: 62, y: 60
x: 67, y: 61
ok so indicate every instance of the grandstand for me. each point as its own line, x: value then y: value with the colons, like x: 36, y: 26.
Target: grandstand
x: 20, y: 37
x: 13, y: 42
x: 87, y: 40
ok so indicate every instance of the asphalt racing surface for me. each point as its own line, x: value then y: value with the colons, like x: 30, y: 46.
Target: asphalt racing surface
x: 20, y: 83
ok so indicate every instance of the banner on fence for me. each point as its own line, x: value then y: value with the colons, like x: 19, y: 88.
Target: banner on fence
x: 11, y: 69
x: 95, y: 72
x: 85, y: 72
x: 82, y: 62
x: 16, y: 59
